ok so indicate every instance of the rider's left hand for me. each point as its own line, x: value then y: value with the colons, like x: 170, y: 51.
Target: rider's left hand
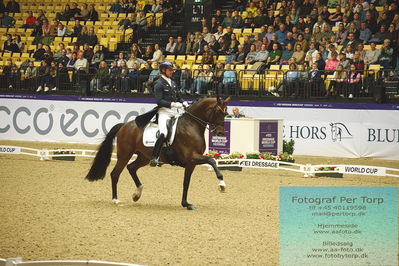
x: 185, y: 104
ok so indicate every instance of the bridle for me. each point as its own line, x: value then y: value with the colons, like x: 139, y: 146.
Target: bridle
x: 212, y: 126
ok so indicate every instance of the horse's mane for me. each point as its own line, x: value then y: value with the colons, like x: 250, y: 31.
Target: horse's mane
x: 200, y: 100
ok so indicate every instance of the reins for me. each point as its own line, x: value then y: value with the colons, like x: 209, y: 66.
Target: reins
x: 212, y: 126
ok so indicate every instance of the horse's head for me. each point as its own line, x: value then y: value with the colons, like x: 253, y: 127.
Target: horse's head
x: 211, y: 111
x: 216, y: 115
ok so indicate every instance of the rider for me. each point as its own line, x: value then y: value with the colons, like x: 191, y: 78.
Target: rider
x: 168, y: 101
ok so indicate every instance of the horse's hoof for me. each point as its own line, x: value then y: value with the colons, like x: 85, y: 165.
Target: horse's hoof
x: 191, y: 207
x: 116, y: 201
x: 222, y: 189
x: 137, y: 195
x: 135, y: 198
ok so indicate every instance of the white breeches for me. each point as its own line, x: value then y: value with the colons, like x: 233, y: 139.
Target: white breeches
x: 164, y: 114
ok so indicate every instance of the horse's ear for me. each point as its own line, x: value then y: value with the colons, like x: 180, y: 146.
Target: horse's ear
x: 227, y: 100
x: 219, y: 100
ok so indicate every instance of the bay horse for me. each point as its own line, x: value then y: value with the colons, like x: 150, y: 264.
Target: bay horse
x: 189, y: 146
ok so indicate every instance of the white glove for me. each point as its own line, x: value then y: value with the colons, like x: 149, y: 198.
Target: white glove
x: 185, y: 104
x: 176, y: 105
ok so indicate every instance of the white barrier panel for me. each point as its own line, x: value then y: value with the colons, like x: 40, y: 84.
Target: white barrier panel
x: 10, y: 150
x: 317, y: 131
x: 307, y: 170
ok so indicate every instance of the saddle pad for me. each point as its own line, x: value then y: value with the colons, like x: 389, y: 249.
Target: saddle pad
x: 151, y: 132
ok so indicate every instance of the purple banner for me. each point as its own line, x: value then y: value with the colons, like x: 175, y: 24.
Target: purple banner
x: 220, y: 144
x: 268, y: 137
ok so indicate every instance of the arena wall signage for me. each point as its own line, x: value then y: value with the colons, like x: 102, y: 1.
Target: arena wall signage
x: 340, y: 130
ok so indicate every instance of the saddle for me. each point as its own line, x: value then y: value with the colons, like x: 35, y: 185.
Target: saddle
x: 151, y: 132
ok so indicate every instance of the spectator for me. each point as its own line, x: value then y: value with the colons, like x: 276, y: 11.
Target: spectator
x: 134, y: 79
x: 311, y: 53
x: 229, y: 81
x: 144, y: 76
x: 237, y: 21
x: 199, y: 80
x: 365, y: 33
x: 207, y: 56
x: 287, y: 54
x: 13, y: 7
x: 52, y: 81
x: 392, y: 35
x: 81, y: 63
x: 259, y: 20
x: 349, y: 52
x: 29, y: 21
x: 132, y: 60
x: 10, y: 45
x: 298, y: 57
x: 71, y: 63
x: 148, y: 53
x: 77, y: 29
x: 67, y: 14
x: 357, y: 61
x: 39, y: 53
x: 371, y: 22
x: 228, y: 20
x: 63, y: 59
x: 315, y: 80
x: 341, y: 34
x: 331, y: 64
x: 206, y: 34
x: 372, y: 55
x: 185, y: 80
x: 316, y: 34
x: 180, y: 47
x: 116, y: 7
x: 170, y: 46
x: 100, y: 79
x: 336, y: 17
x: 327, y: 33
x: 157, y: 56
x: 354, y: 82
x: 6, y: 21
x: 75, y: 10
x: 385, y: 57
x: 43, y: 74
x: 114, y: 76
x: 155, y: 7
x: 351, y: 41
x: 251, y: 56
x: 261, y: 56
x: 320, y: 23
x: 218, y: 16
x: 281, y: 34
x: 343, y: 61
x: 154, y: 75
x: 239, y: 5
x: 337, y: 82
x: 323, y: 52
x: 302, y: 42
x: 58, y: 52
x: 84, y: 12
x: 87, y: 52
x: 199, y: 45
x: 275, y: 55
x: 290, y: 87
x: 62, y: 30
x: 238, y: 57
x: 30, y: 75
x: 320, y: 62
x: 41, y: 16
x: 233, y: 45
x: 92, y: 14
x: 124, y: 78
x: 2, y: 7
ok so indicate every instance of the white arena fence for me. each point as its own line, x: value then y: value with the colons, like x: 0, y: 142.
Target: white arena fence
x: 306, y: 169
x: 18, y: 262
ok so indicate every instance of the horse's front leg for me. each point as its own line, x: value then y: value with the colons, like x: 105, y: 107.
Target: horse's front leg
x: 205, y: 159
x: 187, y: 177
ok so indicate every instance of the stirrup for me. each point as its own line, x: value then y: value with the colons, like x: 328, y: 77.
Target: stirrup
x: 155, y: 162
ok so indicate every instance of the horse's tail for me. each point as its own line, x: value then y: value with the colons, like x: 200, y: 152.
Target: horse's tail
x: 103, y: 156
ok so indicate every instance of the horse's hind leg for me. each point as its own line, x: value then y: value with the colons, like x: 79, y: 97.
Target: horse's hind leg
x: 116, y: 172
x: 133, y: 167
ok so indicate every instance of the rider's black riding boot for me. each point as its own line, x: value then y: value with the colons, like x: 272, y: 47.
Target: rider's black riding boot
x: 157, y: 150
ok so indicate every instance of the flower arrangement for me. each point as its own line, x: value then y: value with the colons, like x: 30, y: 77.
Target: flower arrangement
x: 327, y: 168
x: 283, y: 157
x: 63, y: 152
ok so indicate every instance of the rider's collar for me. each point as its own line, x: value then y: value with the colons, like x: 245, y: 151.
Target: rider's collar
x: 167, y: 79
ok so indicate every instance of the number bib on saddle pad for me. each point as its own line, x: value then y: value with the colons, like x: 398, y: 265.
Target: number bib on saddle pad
x: 151, y: 132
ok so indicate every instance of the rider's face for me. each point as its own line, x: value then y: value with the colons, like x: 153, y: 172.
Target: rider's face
x: 169, y: 72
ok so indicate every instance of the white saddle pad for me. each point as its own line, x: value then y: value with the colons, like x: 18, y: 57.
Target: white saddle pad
x: 151, y: 134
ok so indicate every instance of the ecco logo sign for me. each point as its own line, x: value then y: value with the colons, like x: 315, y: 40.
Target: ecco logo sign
x: 24, y: 121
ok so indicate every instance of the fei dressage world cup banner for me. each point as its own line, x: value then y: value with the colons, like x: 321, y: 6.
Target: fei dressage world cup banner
x: 319, y: 129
